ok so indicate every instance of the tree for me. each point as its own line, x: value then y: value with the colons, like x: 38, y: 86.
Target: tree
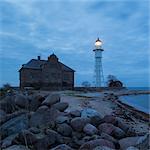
x: 86, y: 84
x: 112, y: 81
x: 111, y: 77
x: 6, y: 89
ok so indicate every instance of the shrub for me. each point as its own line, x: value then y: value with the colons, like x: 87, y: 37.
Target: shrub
x: 5, y: 90
x: 7, y: 87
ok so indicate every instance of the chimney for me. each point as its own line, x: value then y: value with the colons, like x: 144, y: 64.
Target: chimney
x: 39, y: 58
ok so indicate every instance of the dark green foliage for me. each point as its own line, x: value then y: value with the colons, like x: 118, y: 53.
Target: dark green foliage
x: 6, y: 89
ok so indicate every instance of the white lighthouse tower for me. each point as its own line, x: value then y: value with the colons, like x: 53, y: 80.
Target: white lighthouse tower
x: 99, y: 78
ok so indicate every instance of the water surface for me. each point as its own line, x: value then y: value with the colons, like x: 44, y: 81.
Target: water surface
x: 141, y: 102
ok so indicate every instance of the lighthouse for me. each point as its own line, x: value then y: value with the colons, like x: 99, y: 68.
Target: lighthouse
x: 99, y: 78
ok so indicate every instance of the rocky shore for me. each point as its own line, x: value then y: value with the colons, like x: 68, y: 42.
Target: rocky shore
x: 64, y: 121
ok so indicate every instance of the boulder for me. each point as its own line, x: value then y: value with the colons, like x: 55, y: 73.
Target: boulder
x: 52, y: 125
x: 95, y: 136
x: 129, y: 141
x: 78, y: 123
x: 94, y: 143
x: 61, y: 106
x: 111, y: 130
x: 131, y: 132
x: 34, y: 130
x: 42, y: 142
x: 143, y: 142
x: 62, y: 119
x: 64, y: 129
x: 46, y: 141
x: 109, y: 119
x: 51, y: 99
x: 78, y: 135
x: 17, y: 147
x: 106, y: 128
x: 22, y: 101
x: 75, y: 113
x: 118, y: 133
x: 77, y: 142
x: 66, y: 140
x: 43, y: 108
x: 43, y: 116
x: 96, y: 120
x: 62, y: 147
x: 102, y: 148
x: 60, y: 139
x: 35, y: 101
x: 132, y: 148
x: 86, y: 139
x: 73, y: 145
x: 52, y: 133
x: 89, y: 129
x: 8, y: 141
x: 12, y: 115
x: 122, y: 125
x: 2, y: 114
x: 26, y: 137
x: 7, y: 104
x: 14, y: 125
x: 89, y: 112
x: 108, y: 137
x: 89, y: 138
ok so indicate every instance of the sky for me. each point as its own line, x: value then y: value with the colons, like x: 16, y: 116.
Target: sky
x: 69, y: 28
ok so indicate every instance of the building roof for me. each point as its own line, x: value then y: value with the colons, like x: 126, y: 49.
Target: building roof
x: 36, y: 64
x: 66, y: 68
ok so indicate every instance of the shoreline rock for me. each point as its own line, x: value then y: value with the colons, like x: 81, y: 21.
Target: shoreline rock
x: 43, y: 123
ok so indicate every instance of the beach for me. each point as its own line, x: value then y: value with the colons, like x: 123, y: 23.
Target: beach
x: 97, y: 101
x: 105, y: 103
x: 75, y: 120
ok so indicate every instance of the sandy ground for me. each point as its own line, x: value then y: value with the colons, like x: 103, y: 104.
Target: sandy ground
x: 95, y: 100
x: 98, y: 104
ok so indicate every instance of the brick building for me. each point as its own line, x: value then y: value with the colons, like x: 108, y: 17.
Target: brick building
x: 46, y: 74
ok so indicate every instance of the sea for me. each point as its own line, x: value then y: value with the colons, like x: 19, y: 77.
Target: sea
x: 140, y: 102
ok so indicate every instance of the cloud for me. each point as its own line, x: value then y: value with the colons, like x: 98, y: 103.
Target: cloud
x: 69, y: 28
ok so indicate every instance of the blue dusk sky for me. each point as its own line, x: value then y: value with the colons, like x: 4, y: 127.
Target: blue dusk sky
x: 69, y: 28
